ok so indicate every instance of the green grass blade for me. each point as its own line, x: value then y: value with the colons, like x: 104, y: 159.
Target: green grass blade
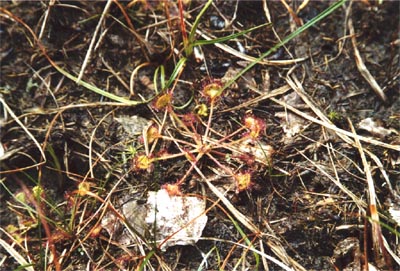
x: 159, y: 69
x: 180, y: 107
x: 162, y: 77
x: 301, y: 29
x: 145, y: 261
x: 230, y: 37
x: 178, y: 68
x: 98, y: 90
x: 197, y: 21
x: 246, y: 239
x: 386, y: 226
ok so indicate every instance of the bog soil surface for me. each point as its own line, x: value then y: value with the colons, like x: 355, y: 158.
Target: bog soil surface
x: 292, y: 149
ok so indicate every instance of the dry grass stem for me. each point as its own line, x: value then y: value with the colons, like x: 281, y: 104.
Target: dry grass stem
x: 345, y: 135
x: 361, y: 66
x: 270, y: 94
x: 379, y: 249
x: 16, y: 119
x: 92, y: 42
x: 15, y: 254
x: 248, y: 58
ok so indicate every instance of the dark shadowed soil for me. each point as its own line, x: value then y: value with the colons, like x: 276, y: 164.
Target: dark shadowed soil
x: 310, y: 196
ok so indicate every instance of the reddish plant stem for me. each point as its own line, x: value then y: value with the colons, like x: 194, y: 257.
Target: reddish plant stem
x: 183, y: 28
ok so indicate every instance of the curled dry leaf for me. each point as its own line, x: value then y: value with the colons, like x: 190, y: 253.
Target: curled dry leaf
x: 375, y: 128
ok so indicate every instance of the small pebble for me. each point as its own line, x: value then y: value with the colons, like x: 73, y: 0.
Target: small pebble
x: 217, y: 22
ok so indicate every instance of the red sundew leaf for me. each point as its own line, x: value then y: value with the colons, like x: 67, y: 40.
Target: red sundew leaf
x: 243, y: 181
x: 255, y: 125
x: 212, y: 89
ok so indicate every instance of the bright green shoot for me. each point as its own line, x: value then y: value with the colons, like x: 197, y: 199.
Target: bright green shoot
x: 189, y: 44
x: 176, y: 72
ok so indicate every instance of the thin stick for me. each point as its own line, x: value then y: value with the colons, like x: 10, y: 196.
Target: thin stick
x: 45, y: 19
x: 8, y: 109
x: 89, y: 51
x: 270, y: 94
x: 361, y: 66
